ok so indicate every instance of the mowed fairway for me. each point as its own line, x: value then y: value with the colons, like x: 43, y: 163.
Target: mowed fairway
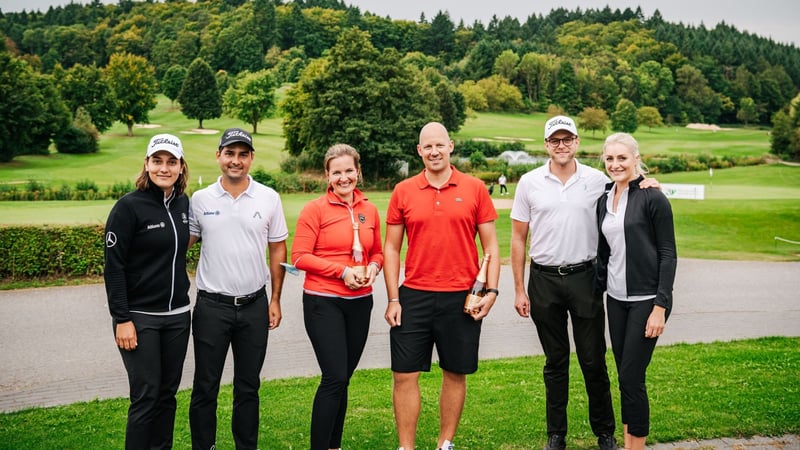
x: 744, y: 210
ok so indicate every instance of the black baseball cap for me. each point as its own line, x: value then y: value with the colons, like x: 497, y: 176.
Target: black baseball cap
x: 234, y: 135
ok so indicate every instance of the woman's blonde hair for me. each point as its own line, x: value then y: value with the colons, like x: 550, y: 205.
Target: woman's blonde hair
x: 628, y: 141
x: 337, y: 150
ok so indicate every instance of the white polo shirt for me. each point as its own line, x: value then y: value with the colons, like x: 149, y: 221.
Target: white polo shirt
x: 235, y: 234
x: 562, y: 217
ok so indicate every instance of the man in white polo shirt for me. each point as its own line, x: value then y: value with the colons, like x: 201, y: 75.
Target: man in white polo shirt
x: 556, y: 203
x: 237, y: 220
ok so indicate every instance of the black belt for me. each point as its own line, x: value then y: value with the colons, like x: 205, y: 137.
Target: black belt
x: 564, y: 269
x: 235, y: 300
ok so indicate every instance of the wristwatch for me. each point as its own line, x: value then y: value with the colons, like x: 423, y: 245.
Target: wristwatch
x: 493, y: 290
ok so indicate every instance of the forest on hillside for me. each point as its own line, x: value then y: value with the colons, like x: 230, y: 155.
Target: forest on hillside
x: 592, y: 59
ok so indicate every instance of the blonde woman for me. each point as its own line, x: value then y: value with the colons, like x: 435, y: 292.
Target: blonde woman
x: 636, y: 267
x: 338, y: 244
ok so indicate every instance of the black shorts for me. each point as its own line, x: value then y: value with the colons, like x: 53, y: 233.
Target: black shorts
x: 434, y: 318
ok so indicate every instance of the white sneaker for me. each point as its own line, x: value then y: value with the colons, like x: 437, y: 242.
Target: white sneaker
x: 447, y: 445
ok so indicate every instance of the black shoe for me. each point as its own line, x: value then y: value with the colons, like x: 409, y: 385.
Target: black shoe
x: 606, y: 442
x: 556, y: 442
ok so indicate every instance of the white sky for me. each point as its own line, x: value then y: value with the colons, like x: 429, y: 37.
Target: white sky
x: 777, y: 19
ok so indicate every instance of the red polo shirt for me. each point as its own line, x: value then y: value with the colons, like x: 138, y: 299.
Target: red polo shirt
x: 441, y: 225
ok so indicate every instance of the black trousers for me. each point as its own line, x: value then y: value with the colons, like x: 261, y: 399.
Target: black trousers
x: 554, y: 298
x: 632, y: 354
x: 215, y: 327
x: 338, y: 330
x: 154, y: 375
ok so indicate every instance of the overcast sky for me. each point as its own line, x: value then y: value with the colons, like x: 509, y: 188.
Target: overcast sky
x: 777, y: 19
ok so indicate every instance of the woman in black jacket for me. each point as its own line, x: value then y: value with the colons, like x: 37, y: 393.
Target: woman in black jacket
x: 147, y: 233
x: 636, y: 267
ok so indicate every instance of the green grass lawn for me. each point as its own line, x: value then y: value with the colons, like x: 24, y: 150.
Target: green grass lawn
x: 698, y: 391
x: 744, y: 210
x: 529, y: 128
x: 120, y: 157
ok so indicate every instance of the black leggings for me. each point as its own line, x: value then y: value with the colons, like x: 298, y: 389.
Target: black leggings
x: 632, y: 353
x: 338, y: 330
x: 154, y: 375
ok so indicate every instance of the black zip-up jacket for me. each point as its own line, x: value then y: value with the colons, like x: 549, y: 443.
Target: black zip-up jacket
x: 145, y: 254
x: 651, y: 258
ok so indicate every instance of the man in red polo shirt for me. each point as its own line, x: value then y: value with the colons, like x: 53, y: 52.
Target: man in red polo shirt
x: 440, y: 210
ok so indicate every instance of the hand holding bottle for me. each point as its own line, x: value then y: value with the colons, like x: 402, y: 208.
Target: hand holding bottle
x: 357, y: 267
x: 483, y: 307
x: 478, y: 290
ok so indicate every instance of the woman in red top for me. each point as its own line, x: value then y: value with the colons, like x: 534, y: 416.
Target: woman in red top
x: 338, y: 244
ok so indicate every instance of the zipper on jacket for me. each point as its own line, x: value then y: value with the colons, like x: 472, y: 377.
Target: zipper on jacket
x: 167, y: 204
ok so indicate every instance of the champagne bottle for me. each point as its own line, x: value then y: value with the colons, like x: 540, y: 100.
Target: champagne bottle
x: 357, y: 263
x: 478, y: 287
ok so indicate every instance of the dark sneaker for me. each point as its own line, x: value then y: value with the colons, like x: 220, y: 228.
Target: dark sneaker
x: 606, y: 442
x: 556, y: 442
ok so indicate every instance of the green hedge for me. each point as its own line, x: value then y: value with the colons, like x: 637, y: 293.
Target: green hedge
x: 83, y: 190
x: 42, y: 252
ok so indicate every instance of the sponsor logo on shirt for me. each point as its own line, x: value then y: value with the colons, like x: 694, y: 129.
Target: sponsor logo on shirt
x: 211, y: 213
x: 111, y: 239
x: 156, y: 225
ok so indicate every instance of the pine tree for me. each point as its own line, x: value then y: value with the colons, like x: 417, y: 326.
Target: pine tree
x: 199, y: 98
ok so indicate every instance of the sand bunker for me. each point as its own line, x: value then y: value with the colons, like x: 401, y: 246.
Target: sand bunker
x: 705, y: 126
x: 200, y: 131
x: 192, y: 131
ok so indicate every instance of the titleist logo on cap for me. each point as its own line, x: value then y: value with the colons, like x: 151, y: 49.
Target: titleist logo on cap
x: 559, y: 121
x: 163, y: 140
x: 237, y: 133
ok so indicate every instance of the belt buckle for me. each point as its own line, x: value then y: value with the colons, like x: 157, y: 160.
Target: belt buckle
x: 563, y: 273
x: 240, y: 297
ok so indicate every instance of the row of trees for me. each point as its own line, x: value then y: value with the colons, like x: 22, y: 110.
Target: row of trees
x: 71, y: 107
x: 575, y: 59
x: 381, y: 77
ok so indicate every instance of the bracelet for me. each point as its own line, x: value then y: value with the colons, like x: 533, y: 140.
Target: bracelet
x: 493, y: 290
x: 392, y: 300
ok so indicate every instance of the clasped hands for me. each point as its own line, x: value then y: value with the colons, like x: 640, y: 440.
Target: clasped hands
x: 355, y: 280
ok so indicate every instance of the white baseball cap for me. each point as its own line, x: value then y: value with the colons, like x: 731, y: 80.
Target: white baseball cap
x: 165, y: 142
x: 559, y: 123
